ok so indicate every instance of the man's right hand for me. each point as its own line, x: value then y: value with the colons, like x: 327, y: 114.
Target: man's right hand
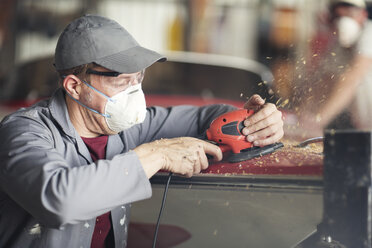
x: 185, y: 155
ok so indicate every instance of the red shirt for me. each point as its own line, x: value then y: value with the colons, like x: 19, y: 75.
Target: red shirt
x: 103, y: 236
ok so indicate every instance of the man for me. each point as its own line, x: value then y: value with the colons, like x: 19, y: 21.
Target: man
x: 71, y: 165
x: 351, y: 31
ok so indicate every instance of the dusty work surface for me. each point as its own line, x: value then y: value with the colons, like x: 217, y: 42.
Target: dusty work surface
x: 289, y: 160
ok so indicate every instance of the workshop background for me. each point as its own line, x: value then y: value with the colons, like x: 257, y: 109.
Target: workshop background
x: 221, y: 50
x: 273, y: 33
x: 266, y: 30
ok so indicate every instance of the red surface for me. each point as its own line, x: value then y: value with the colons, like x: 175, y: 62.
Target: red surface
x: 166, y: 100
x: 16, y: 104
x: 286, y: 161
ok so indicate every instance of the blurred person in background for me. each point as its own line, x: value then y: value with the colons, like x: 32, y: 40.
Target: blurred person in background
x: 72, y: 164
x: 340, y: 76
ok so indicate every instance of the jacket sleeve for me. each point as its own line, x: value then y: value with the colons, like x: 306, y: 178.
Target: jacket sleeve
x: 179, y: 121
x: 42, y: 181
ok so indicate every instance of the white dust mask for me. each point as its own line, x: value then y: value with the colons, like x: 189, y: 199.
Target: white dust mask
x: 126, y: 109
x: 123, y: 110
x: 348, y: 31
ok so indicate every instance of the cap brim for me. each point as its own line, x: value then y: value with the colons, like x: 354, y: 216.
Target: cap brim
x: 356, y: 3
x: 132, y: 60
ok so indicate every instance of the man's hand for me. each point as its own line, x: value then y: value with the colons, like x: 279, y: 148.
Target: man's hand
x: 265, y: 126
x: 185, y: 155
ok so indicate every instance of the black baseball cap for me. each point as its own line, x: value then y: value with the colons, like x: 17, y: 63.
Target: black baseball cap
x: 93, y: 38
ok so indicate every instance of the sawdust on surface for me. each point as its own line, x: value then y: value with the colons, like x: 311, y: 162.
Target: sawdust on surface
x: 290, y: 155
x: 310, y: 148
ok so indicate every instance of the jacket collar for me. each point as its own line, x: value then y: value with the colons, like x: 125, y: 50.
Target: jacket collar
x: 59, y: 112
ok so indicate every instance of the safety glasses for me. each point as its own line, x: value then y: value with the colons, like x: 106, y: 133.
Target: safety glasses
x: 117, y: 78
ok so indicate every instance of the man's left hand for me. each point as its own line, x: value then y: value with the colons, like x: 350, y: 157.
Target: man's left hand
x: 265, y: 126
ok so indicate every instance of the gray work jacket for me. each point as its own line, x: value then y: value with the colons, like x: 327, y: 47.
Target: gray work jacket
x: 51, y: 191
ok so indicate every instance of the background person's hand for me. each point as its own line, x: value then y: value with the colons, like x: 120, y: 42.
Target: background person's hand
x: 265, y: 126
x: 185, y: 155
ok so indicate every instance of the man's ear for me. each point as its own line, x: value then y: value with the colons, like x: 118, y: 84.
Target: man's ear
x: 72, y: 85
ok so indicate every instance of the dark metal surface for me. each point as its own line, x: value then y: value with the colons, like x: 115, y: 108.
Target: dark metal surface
x: 236, y: 181
x: 347, y: 189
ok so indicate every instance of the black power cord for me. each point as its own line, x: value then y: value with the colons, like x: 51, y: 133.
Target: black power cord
x: 161, y: 209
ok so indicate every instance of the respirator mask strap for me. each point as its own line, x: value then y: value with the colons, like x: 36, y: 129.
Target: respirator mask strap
x: 85, y: 106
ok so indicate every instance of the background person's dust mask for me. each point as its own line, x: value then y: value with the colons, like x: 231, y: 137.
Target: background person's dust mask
x: 123, y: 110
x: 348, y: 31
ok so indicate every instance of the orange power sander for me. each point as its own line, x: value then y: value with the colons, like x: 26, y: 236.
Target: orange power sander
x: 226, y: 131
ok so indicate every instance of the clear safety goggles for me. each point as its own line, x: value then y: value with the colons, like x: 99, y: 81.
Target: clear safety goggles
x: 119, y: 79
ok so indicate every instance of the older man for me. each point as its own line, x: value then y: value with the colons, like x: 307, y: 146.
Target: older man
x: 71, y: 165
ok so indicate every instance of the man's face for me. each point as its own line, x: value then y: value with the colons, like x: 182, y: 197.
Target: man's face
x: 347, y: 23
x: 358, y: 14
x: 108, y: 85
